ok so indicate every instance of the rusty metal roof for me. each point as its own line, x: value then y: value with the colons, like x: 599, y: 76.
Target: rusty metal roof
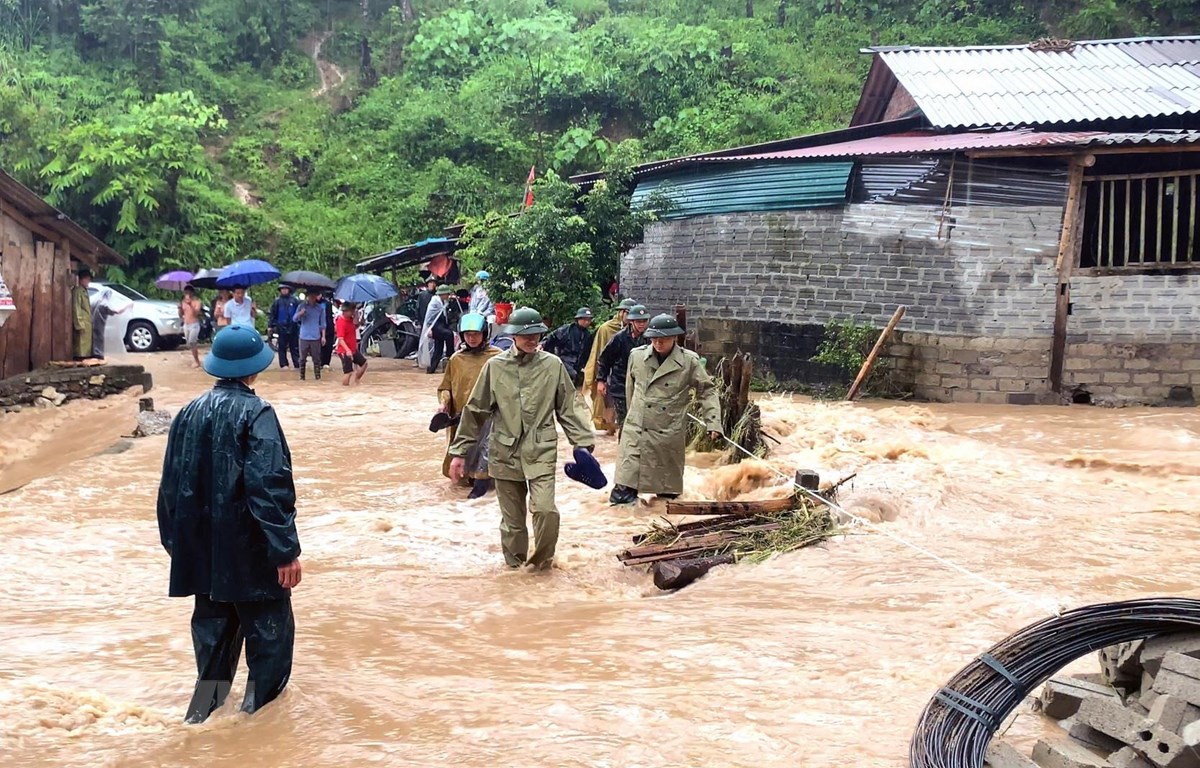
x: 995, y: 86
x: 929, y: 143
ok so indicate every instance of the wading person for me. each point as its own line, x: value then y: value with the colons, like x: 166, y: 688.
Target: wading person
x: 281, y: 320
x: 353, y: 361
x: 614, y: 361
x: 661, y: 381
x: 81, y: 316
x: 312, y: 330
x: 328, y: 344
x: 522, y: 391
x: 191, y: 311
x: 227, y: 518
x: 461, y: 374
x: 100, y: 314
x: 572, y: 343
x: 240, y: 308
x: 603, y: 415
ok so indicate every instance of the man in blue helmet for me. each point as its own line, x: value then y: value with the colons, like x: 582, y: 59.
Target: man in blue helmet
x: 227, y: 518
x: 481, y: 303
x: 462, y: 371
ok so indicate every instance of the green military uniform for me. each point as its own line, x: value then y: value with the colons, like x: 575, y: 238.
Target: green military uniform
x: 654, y: 438
x: 81, y: 312
x: 523, y: 394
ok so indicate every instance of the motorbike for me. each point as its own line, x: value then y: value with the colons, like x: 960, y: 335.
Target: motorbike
x: 381, y: 331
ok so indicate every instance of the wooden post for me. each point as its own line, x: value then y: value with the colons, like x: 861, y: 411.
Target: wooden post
x: 42, y: 329
x: 62, y: 324
x: 1068, y: 252
x: 869, y: 363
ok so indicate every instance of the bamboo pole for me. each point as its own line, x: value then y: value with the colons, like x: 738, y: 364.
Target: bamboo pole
x: 1100, y: 229
x: 1112, y: 222
x: 1142, y: 234
x: 1158, y: 252
x: 1175, y: 220
x: 1128, y: 202
x: 869, y: 363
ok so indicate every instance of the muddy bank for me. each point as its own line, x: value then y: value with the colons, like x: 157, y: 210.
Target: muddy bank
x: 415, y: 647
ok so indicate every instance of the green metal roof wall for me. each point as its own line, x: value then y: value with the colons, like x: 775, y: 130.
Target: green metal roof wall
x: 759, y: 187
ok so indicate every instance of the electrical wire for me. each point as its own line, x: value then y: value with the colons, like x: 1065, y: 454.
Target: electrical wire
x: 958, y: 723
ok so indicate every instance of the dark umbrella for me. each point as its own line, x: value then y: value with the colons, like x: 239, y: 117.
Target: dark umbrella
x: 361, y: 288
x: 302, y: 279
x: 246, y: 273
x: 206, y: 278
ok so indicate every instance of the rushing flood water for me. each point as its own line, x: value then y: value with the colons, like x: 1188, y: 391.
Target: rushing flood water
x: 416, y: 647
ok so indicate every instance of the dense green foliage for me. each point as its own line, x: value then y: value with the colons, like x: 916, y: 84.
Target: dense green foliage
x: 188, y: 133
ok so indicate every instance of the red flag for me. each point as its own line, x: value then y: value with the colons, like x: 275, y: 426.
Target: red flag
x: 529, y: 187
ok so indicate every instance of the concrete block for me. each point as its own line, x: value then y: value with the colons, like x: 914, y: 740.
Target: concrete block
x: 1121, y: 664
x: 1155, y: 649
x: 1001, y: 754
x: 1173, y: 713
x: 1093, y: 739
x: 1128, y: 758
x: 1062, y: 696
x: 1161, y: 747
x: 1066, y: 754
x: 1179, y: 676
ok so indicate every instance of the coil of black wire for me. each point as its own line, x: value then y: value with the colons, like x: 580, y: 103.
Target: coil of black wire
x: 958, y: 723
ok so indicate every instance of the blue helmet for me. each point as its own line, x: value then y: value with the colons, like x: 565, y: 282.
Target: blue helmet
x: 482, y: 275
x: 472, y: 321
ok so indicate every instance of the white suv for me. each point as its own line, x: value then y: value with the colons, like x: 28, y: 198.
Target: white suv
x: 147, y: 326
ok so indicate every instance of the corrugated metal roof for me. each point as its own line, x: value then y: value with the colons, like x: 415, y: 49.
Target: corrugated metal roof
x: 1016, y: 85
x: 765, y: 187
x: 925, y: 143
x: 84, y: 245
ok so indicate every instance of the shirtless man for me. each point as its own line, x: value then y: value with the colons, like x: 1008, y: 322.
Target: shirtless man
x: 190, y: 311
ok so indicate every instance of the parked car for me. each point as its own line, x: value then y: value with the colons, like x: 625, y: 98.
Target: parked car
x: 147, y: 326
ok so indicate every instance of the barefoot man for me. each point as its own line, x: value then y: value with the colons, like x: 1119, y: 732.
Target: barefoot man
x: 190, y: 310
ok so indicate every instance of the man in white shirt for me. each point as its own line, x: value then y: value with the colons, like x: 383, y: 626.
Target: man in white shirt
x: 241, y: 308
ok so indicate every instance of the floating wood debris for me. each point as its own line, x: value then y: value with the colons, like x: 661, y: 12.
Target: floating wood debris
x: 732, y: 531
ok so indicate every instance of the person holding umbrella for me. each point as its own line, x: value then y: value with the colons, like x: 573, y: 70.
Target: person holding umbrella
x: 312, y: 329
x: 239, y: 275
x: 241, y: 308
x: 280, y: 320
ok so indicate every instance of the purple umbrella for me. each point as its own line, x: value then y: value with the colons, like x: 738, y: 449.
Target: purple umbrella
x: 174, y: 281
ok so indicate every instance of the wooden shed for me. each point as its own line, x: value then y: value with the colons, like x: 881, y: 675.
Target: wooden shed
x: 40, y: 249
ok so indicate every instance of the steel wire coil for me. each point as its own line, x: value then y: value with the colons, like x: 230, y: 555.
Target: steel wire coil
x: 958, y: 723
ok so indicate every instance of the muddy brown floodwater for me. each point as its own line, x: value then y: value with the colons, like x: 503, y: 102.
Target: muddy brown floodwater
x: 416, y: 647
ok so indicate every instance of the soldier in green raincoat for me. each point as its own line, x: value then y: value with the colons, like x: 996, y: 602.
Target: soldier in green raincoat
x: 659, y: 384
x: 81, y: 316
x: 523, y: 391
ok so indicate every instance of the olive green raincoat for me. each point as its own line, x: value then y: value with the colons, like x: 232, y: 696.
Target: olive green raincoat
x: 604, y: 333
x: 523, y: 394
x: 81, y: 317
x: 457, y: 382
x: 654, y: 438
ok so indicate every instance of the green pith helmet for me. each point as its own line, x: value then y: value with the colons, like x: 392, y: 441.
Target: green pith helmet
x: 627, y: 304
x: 583, y: 313
x: 638, y: 312
x: 662, y: 326
x: 525, y: 321
x: 444, y: 290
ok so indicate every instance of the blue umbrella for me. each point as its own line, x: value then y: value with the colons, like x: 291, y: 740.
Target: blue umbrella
x: 246, y: 273
x: 361, y: 288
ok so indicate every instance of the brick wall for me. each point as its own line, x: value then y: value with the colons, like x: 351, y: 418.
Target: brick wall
x: 979, y: 285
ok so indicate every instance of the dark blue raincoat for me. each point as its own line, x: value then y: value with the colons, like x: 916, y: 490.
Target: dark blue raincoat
x: 226, y: 502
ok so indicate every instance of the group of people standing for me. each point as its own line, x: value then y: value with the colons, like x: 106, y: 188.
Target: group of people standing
x: 308, y: 330
x: 227, y: 500
x: 89, y: 320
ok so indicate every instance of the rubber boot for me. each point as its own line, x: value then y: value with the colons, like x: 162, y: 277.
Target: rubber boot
x: 623, y: 494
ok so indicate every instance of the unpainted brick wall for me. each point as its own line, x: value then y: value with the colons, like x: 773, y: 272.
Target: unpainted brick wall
x: 991, y: 274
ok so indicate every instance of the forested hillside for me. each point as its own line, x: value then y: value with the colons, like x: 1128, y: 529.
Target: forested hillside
x: 190, y: 133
